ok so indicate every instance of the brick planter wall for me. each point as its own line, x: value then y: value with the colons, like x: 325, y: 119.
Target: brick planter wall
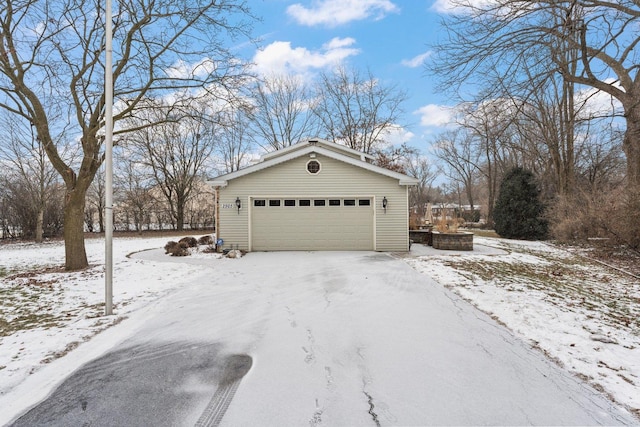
x: 420, y: 236
x: 460, y: 241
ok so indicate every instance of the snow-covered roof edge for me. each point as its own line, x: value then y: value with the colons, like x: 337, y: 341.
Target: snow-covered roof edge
x: 321, y: 143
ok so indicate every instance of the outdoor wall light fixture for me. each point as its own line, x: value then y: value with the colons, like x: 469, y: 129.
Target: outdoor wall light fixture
x: 238, y: 204
x: 384, y: 204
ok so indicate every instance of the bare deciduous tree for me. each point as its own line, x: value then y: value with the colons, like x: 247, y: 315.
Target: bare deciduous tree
x: 458, y: 151
x: 592, y: 43
x: 601, y: 164
x: 356, y: 110
x: 282, y: 113
x: 489, y: 125
x: 395, y: 158
x: 550, y: 131
x: 419, y: 167
x: 96, y: 202
x: 19, y: 217
x: 34, y: 177
x: 51, y: 67
x: 135, y: 195
x: 233, y: 141
x: 174, y: 152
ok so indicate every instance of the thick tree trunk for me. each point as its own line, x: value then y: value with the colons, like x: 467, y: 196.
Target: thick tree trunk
x: 631, y: 147
x: 101, y: 218
x: 39, y: 224
x: 180, y: 204
x: 469, y: 191
x: 76, y: 256
x: 180, y: 221
x: 492, y: 185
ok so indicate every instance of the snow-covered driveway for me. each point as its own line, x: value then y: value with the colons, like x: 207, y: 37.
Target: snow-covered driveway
x: 351, y: 338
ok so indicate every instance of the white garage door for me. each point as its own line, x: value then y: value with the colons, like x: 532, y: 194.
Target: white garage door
x: 316, y: 224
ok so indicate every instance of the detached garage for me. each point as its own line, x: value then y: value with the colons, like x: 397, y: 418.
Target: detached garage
x: 314, y: 195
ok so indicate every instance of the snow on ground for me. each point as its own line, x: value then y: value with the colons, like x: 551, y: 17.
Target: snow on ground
x: 580, y: 313
x: 44, y: 315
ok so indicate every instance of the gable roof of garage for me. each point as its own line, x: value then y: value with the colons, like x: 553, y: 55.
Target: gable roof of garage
x: 318, y: 146
x: 321, y: 143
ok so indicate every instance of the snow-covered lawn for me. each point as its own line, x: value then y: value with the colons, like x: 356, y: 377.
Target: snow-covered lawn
x: 582, y: 314
x: 46, y: 312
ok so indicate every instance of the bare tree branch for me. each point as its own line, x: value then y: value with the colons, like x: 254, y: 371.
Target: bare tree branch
x: 357, y: 110
x: 520, y: 42
x: 52, y: 74
x: 283, y: 112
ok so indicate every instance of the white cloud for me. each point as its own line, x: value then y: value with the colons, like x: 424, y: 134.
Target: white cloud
x: 396, y: 135
x: 496, y: 8
x: 280, y: 58
x: 593, y: 102
x: 460, y: 6
x: 337, y: 12
x: 184, y: 70
x: 338, y: 43
x: 416, y: 61
x: 435, y: 115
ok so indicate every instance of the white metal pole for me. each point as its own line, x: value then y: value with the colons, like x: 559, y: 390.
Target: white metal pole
x: 108, y: 140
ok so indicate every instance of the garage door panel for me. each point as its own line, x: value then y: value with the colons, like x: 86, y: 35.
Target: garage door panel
x: 312, y: 228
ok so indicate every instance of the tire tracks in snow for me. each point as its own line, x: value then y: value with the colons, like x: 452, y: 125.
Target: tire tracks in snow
x: 236, y: 368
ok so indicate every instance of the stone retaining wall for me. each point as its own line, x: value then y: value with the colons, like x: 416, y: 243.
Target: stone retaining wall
x: 420, y: 236
x: 460, y: 241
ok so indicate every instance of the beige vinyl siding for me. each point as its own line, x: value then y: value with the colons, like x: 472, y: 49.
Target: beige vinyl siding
x: 392, y: 227
x: 335, y: 179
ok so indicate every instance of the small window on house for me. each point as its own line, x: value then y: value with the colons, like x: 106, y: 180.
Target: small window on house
x: 334, y: 202
x: 364, y: 202
x: 259, y: 202
x: 304, y: 202
x: 274, y: 202
x: 319, y: 202
x: 289, y: 202
x: 349, y: 202
x: 313, y: 166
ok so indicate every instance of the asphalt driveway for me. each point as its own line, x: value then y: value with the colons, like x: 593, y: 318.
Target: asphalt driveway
x: 319, y: 338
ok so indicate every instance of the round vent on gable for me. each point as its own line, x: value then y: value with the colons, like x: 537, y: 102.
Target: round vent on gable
x: 313, y: 166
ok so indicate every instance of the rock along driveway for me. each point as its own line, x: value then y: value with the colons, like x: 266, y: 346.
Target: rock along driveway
x: 320, y: 338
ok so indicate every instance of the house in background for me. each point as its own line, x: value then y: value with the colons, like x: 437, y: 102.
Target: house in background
x: 314, y: 195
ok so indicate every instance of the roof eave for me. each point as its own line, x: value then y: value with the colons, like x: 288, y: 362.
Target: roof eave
x: 218, y: 182
x: 411, y: 182
x: 223, y: 180
x: 316, y: 142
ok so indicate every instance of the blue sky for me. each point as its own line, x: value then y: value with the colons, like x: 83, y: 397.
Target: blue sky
x: 389, y: 37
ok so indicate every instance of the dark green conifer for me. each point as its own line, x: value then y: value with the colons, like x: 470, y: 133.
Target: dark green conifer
x: 518, y: 213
